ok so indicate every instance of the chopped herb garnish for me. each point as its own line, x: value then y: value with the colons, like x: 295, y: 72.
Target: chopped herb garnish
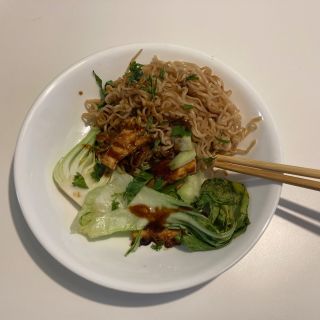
x: 98, y: 79
x: 109, y: 83
x: 115, y: 204
x: 162, y: 73
x: 135, y: 72
x: 136, y: 185
x: 187, y: 106
x: 171, y: 190
x: 101, y: 104
x: 224, y: 141
x: 151, y: 86
x: 135, y: 244
x: 156, y: 144
x: 158, y: 184
x: 208, y: 161
x: 192, y: 77
x: 99, y: 83
x: 180, y: 131
x: 78, y: 181
x: 157, y: 246
x: 98, y: 171
x: 149, y: 122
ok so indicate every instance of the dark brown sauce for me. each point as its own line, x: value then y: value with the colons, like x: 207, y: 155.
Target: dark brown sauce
x: 80, y: 93
x: 157, y: 217
x: 161, y: 169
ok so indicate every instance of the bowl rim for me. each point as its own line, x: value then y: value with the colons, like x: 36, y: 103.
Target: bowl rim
x: 82, y: 271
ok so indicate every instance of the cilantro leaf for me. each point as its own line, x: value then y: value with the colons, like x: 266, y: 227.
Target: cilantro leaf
x: 156, y: 144
x: 115, y: 204
x: 158, y: 184
x: 109, y: 83
x: 162, y: 73
x: 187, y: 106
x: 149, y: 122
x: 208, y: 161
x: 78, y: 181
x: 224, y: 141
x: 157, y: 246
x: 151, y: 86
x: 171, y: 190
x: 99, y: 83
x: 192, y: 77
x: 136, y: 185
x: 180, y: 131
x: 135, y: 72
x: 135, y: 244
x: 98, y: 171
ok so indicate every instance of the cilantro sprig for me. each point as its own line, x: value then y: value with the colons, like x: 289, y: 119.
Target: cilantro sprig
x: 135, y: 72
x: 180, y: 131
x: 136, y: 185
x: 98, y: 171
x: 78, y: 181
x: 187, y: 106
x: 192, y: 77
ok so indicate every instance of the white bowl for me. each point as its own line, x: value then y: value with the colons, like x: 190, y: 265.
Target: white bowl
x: 53, y: 126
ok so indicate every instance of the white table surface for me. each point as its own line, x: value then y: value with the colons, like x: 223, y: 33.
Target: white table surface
x: 275, y: 45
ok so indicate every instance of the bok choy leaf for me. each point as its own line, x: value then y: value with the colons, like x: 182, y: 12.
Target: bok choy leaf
x: 73, y: 172
x: 97, y: 218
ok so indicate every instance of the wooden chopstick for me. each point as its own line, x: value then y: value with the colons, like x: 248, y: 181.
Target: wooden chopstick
x: 278, y: 167
x: 267, y: 173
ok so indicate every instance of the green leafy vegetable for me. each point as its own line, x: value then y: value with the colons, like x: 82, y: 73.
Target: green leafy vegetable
x: 99, y: 83
x: 222, y: 212
x: 149, y: 122
x: 187, y: 106
x: 135, y: 244
x: 80, y: 159
x: 157, y: 246
x: 98, y: 80
x: 225, y: 203
x: 135, y: 72
x: 192, y: 77
x: 158, y: 183
x: 136, y: 185
x: 78, y: 181
x: 115, y: 204
x: 156, y: 143
x: 208, y: 161
x: 171, y: 190
x: 108, y: 83
x: 180, y: 131
x: 151, y: 86
x: 98, y: 171
x: 224, y: 141
x: 100, y: 220
x: 162, y: 73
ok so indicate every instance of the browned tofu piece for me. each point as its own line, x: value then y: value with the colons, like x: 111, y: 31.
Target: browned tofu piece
x: 189, y: 168
x: 162, y: 169
x: 123, y: 145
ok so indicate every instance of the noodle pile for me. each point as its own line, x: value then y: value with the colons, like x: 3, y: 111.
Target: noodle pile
x: 173, y: 93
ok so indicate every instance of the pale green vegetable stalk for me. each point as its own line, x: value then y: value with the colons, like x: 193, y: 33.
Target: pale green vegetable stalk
x: 80, y: 160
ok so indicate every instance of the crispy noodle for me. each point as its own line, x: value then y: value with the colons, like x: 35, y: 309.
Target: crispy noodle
x: 213, y: 119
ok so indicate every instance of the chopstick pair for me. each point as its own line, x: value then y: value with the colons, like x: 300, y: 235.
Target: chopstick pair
x: 272, y: 171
